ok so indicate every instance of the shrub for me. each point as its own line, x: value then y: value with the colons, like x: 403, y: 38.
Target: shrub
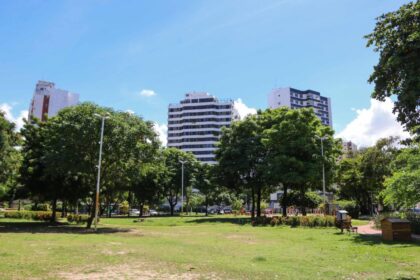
x: 29, y: 215
x: 40, y: 207
x: 415, y: 222
x: 296, y: 221
x: 350, y: 206
x: 275, y: 221
x: 78, y: 219
x: 27, y: 207
x: 379, y: 217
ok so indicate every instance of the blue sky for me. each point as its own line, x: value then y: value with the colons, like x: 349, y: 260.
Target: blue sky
x: 109, y: 51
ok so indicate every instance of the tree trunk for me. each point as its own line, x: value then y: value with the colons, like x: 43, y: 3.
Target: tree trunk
x: 108, y: 208
x: 172, y: 209
x: 141, y: 210
x: 207, y: 207
x: 63, y: 209
x: 54, y: 210
x: 252, y: 203
x: 92, y: 213
x: 259, y: 202
x: 302, y: 207
x: 284, y: 201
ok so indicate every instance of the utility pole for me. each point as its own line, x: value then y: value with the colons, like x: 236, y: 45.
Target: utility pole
x: 99, y: 169
x: 182, y: 185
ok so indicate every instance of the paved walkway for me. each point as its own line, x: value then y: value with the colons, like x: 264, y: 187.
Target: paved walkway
x: 368, y: 229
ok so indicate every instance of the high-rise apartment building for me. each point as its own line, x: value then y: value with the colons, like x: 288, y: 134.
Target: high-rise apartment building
x: 48, y: 100
x: 296, y: 99
x: 194, y: 124
x: 349, y: 149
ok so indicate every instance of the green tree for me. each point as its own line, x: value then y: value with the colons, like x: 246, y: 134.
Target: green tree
x: 240, y: 156
x: 195, y: 201
x: 10, y: 158
x: 205, y: 182
x: 145, y: 185
x: 397, y: 39
x: 293, y: 157
x: 362, y: 178
x: 306, y: 200
x: 171, y: 174
x: 402, y: 188
x: 71, y: 151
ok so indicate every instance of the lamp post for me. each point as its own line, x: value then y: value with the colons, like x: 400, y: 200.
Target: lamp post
x: 103, y: 117
x: 323, y: 166
x: 182, y: 162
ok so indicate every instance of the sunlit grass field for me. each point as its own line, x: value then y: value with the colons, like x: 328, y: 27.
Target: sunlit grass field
x: 219, y: 247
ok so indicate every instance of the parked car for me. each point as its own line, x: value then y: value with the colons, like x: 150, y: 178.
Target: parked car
x: 153, y: 212
x: 415, y: 211
x: 134, y: 212
x: 227, y: 210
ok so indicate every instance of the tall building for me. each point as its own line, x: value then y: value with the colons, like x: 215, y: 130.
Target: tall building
x: 48, y: 100
x: 295, y: 99
x: 194, y: 125
x: 349, y: 149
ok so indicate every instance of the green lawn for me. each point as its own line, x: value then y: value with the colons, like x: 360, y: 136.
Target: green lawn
x: 198, y: 248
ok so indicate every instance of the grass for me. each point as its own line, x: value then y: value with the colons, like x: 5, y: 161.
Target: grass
x: 198, y: 248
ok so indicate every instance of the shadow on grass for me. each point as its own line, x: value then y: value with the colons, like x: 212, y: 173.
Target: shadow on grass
x: 376, y: 239
x: 38, y: 227
x: 236, y: 221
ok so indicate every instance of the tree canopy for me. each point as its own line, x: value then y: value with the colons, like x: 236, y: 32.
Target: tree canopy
x: 397, y: 39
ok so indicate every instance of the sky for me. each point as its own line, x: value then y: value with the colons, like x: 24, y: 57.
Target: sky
x: 139, y: 56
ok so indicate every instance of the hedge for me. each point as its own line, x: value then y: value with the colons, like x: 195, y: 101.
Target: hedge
x: 30, y: 215
x: 296, y: 221
x: 78, y: 219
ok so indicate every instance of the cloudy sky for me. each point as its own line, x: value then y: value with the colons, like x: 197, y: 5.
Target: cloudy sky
x: 139, y: 56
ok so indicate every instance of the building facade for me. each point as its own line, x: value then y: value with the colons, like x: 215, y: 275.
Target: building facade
x: 295, y: 99
x: 194, y: 124
x: 349, y: 149
x: 48, y: 100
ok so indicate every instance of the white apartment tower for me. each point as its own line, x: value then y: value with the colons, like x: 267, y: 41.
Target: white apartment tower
x: 194, y: 125
x: 48, y: 100
x: 296, y: 99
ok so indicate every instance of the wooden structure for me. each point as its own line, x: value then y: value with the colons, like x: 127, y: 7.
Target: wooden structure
x: 396, y: 229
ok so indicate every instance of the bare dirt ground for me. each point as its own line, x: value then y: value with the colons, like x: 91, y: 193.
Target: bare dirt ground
x: 141, y: 271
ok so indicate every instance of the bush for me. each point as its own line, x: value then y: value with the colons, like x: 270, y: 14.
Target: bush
x: 78, y: 219
x: 29, y: 215
x: 40, y: 207
x: 350, y: 206
x: 379, y: 217
x: 415, y: 222
x: 295, y: 221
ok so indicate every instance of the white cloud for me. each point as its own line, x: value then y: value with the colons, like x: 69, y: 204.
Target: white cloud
x: 131, y: 112
x: 147, y: 93
x: 242, y: 109
x: 162, y: 131
x: 18, y: 121
x: 373, y: 123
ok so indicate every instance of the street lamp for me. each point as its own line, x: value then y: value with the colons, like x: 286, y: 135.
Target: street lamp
x: 103, y: 117
x: 182, y: 162
x: 323, y: 165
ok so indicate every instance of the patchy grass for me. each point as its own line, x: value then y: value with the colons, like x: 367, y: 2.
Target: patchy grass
x: 219, y: 247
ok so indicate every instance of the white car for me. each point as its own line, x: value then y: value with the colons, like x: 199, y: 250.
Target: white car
x: 134, y: 212
x: 153, y: 213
